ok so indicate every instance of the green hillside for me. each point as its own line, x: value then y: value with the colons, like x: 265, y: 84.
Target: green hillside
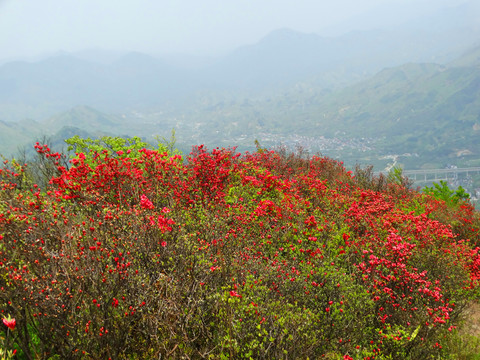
x: 427, y: 109
x: 423, y: 108
x: 13, y: 136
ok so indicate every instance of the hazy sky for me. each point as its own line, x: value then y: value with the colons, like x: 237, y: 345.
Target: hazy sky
x: 35, y: 27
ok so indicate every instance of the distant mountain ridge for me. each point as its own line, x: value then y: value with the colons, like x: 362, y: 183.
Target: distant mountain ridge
x: 427, y: 109
x: 281, y: 59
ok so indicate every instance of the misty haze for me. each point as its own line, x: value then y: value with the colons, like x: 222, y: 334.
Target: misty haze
x: 240, y: 179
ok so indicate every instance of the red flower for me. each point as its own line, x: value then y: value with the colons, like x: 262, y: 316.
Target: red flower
x: 235, y: 294
x: 10, y: 323
x: 146, y: 203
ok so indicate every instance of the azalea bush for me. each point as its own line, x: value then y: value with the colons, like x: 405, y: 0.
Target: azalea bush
x: 146, y: 254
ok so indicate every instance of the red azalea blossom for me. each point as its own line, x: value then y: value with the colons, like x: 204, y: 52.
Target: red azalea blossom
x: 10, y: 323
x: 146, y: 203
x: 235, y: 294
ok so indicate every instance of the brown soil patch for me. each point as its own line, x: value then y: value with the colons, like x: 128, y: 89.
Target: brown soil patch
x: 472, y: 320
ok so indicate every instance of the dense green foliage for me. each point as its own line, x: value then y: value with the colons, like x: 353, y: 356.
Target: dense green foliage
x: 222, y: 255
x: 441, y: 191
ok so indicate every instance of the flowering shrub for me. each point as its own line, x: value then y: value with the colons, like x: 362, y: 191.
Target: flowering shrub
x: 223, y: 255
x: 5, y: 352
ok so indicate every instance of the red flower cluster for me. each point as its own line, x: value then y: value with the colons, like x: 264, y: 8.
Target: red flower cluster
x: 233, y: 293
x: 318, y: 264
x: 146, y: 203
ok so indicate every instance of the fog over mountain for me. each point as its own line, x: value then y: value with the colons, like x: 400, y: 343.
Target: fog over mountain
x: 116, y: 81
x: 207, y: 28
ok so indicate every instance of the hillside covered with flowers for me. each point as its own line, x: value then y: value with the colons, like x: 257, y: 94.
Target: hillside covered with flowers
x: 125, y: 252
